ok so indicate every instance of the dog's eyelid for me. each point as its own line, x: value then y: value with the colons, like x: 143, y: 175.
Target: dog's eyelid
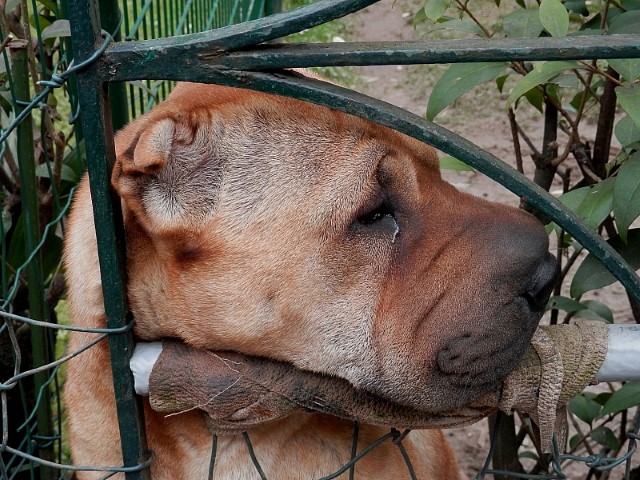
x: 381, y: 217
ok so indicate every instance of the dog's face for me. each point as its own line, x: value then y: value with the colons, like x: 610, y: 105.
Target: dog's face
x: 276, y: 228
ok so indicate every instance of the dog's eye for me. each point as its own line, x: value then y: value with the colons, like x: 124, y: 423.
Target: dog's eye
x: 383, y: 219
x: 376, y: 215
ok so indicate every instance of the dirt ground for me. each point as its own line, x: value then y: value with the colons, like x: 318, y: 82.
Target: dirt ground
x: 484, y: 122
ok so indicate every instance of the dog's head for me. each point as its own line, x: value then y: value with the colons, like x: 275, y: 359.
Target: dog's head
x: 277, y: 228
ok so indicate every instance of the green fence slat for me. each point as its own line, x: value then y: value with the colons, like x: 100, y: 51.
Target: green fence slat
x: 95, y: 118
x: 36, y: 296
x: 139, y: 20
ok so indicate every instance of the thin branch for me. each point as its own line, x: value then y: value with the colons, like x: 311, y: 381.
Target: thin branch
x: 596, y: 70
x: 516, y: 140
x: 527, y: 140
x: 465, y: 9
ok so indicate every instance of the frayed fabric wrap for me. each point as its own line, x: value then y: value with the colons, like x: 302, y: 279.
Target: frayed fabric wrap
x: 237, y: 392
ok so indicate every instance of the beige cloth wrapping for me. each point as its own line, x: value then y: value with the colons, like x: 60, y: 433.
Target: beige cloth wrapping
x: 237, y: 392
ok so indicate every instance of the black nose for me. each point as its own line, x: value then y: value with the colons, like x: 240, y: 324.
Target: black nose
x: 522, y: 258
x: 541, y: 285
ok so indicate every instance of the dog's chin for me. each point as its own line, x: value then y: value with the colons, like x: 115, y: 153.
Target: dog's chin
x: 473, y: 362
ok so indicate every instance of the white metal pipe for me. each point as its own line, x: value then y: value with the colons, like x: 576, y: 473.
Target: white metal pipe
x: 622, y: 361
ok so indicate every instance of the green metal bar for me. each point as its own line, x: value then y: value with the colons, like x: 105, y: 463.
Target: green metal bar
x: 96, y: 121
x: 212, y: 14
x: 258, y: 10
x: 150, y: 59
x: 183, y: 18
x: 110, y: 18
x: 139, y: 19
x: 231, y: 19
x: 29, y: 198
x: 272, y: 7
x: 276, y: 56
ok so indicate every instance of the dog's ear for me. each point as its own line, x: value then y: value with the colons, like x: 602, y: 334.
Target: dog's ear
x: 168, y: 170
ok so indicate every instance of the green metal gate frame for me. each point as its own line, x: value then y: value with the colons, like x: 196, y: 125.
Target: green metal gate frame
x: 237, y: 56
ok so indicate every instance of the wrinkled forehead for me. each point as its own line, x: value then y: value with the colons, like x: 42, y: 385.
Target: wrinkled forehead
x: 274, y: 110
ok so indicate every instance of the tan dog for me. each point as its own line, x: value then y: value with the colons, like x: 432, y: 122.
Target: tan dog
x: 277, y: 228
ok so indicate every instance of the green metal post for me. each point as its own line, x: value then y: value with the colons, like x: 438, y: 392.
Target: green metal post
x: 37, y: 304
x: 110, y: 20
x: 96, y: 121
x: 272, y: 6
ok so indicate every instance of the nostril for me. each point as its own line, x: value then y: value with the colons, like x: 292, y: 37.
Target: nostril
x: 542, y: 283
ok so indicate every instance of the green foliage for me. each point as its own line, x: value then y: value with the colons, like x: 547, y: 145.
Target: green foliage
x: 554, y: 17
x: 541, y: 73
x: 591, y: 275
x: 600, y: 181
x: 593, y: 204
x: 626, y: 194
x: 458, y: 80
x: 449, y: 163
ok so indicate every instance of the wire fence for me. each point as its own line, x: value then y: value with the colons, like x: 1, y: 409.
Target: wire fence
x: 42, y: 152
x: 43, y: 157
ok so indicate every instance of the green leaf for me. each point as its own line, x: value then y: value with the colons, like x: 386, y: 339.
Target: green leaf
x: 589, y: 309
x: 542, y: 73
x: 591, y: 274
x: 458, y: 80
x: 577, y: 6
x: 595, y: 310
x: 535, y: 97
x: 574, y: 441
x: 576, y: 101
x: 631, y: 4
x: 48, y: 5
x: 626, y: 194
x: 603, y: 397
x: 420, y: 17
x: 529, y: 454
x: 566, y: 304
x: 66, y: 173
x: 629, y: 98
x: 627, y: 22
x: 522, y: 23
x: 450, y: 163
x: 7, y: 221
x: 584, y: 407
x: 500, y: 82
x: 587, y: 31
x: 466, y: 26
x: 605, y: 437
x: 629, y: 68
x: 434, y: 9
x: 59, y: 28
x: 43, y: 22
x: 593, y: 203
x: 554, y: 17
x: 627, y: 132
x: 626, y: 397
